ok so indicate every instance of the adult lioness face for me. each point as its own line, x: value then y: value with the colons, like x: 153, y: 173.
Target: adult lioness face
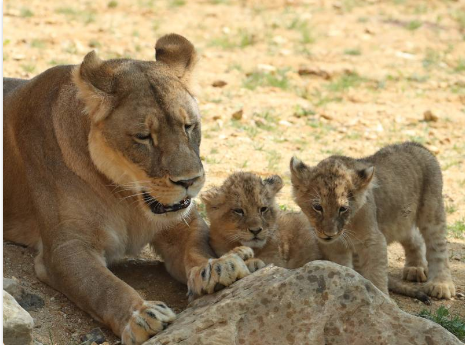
x: 145, y: 128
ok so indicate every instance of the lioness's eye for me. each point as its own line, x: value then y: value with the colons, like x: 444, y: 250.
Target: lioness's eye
x: 343, y: 209
x: 143, y: 136
x: 317, y: 207
x: 263, y: 209
x: 239, y: 211
x: 189, y: 127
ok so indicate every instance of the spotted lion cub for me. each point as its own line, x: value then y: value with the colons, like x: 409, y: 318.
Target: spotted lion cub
x: 352, y: 203
x: 243, y: 212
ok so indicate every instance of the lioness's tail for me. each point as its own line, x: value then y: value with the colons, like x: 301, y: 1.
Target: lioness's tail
x: 405, y: 289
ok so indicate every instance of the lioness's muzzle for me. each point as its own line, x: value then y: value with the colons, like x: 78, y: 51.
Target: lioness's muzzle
x: 158, y: 208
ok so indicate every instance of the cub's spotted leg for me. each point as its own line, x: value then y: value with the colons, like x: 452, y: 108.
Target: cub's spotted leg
x: 150, y: 319
x: 219, y: 273
x: 432, y: 225
x: 440, y: 282
x: 415, y: 269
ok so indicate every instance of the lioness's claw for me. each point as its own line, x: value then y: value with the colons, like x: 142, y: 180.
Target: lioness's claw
x: 151, y: 318
x: 219, y: 273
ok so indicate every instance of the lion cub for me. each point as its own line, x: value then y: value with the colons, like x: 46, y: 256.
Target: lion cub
x: 358, y: 206
x: 243, y: 212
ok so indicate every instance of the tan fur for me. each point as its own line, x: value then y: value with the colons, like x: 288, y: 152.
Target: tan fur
x: 285, y: 239
x: 358, y: 206
x: 81, y: 146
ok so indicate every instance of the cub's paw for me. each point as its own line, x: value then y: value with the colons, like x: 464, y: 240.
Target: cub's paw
x: 150, y: 319
x: 254, y: 264
x: 218, y: 273
x: 440, y: 289
x: 415, y: 274
x: 245, y: 253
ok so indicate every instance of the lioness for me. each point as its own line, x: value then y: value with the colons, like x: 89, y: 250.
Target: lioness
x: 101, y: 159
x: 243, y: 212
x: 358, y: 206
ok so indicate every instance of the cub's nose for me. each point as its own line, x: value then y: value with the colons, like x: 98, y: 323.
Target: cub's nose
x: 185, y: 183
x: 255, y: 232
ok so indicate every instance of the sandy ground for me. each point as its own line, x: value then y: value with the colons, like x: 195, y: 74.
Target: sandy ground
x: 310, y: 78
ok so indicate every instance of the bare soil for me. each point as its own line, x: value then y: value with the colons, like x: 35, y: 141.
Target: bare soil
x: 307, y: 78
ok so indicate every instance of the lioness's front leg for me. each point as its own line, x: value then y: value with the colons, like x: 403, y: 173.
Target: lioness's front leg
x: 77, y: 269
x: 372, y: 261
x: 189, y: 258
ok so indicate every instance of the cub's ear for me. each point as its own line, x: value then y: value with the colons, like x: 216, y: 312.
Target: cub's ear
x: 212, y: 198
x: 178, y: 53
x: 95, y: 83
x: 364, y: 177
x: 274, y: 183
x: 299, y: 170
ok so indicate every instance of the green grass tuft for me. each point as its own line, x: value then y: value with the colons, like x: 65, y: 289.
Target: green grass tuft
x: 453, y: 323
x: 457, y: 229
x: 274, y: 79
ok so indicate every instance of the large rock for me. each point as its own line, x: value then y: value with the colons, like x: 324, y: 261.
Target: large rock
x: 17, y: 323
x: 13, y: 288
x: 320, y: 303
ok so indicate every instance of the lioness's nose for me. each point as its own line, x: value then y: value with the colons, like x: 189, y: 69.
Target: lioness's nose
x: 185, y: 183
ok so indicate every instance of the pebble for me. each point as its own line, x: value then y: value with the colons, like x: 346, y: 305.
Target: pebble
x: 304, y: 70
x: 429, y: 116
x: 219, y: 83
x: 95, y: 336
x: 238, y: 114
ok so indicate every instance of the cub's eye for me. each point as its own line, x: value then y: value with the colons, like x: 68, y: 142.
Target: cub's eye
x: 343, y: 209
x: 189, y: 127
x: 263, y: 209
x: 143, y: 136
x: 239, y: 211
x: 317, y: 207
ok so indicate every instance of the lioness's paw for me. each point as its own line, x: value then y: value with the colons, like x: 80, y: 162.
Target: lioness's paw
x: 150, y: 319
x: 415, y: 274
x: 440, y: 289
x: 216, y: 274
x: 254, y: 264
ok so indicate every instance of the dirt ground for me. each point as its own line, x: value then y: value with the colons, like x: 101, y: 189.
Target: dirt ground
x: 306, y: 78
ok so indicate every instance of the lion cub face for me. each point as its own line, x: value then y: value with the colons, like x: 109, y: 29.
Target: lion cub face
x: 243, y: 210
x: 145, y: 124
x: 330, y: 194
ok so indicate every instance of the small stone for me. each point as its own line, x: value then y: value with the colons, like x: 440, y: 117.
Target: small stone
x: 260, y: 122
x: 31, y: 302
x: 429, y: 116
x: 237, y: 115
x: 285, y: 123
x: 95, y: 336
x: 219, y: 83
x: 266, y: 68
x: 433, y: 149
x: 304, y: 70
x: 326, y: 116
x: 17, y: 323
x: 460, y: 295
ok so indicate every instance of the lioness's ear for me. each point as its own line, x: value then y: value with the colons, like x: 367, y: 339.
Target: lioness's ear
x: 212, y: 197
x: 95, y: 83
x: 298, y: 170
x: 178, y: 53
x: 274, y: 183
x: 364, y: 177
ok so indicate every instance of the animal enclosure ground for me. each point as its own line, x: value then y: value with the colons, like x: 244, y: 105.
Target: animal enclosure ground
x: 307, y: 78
